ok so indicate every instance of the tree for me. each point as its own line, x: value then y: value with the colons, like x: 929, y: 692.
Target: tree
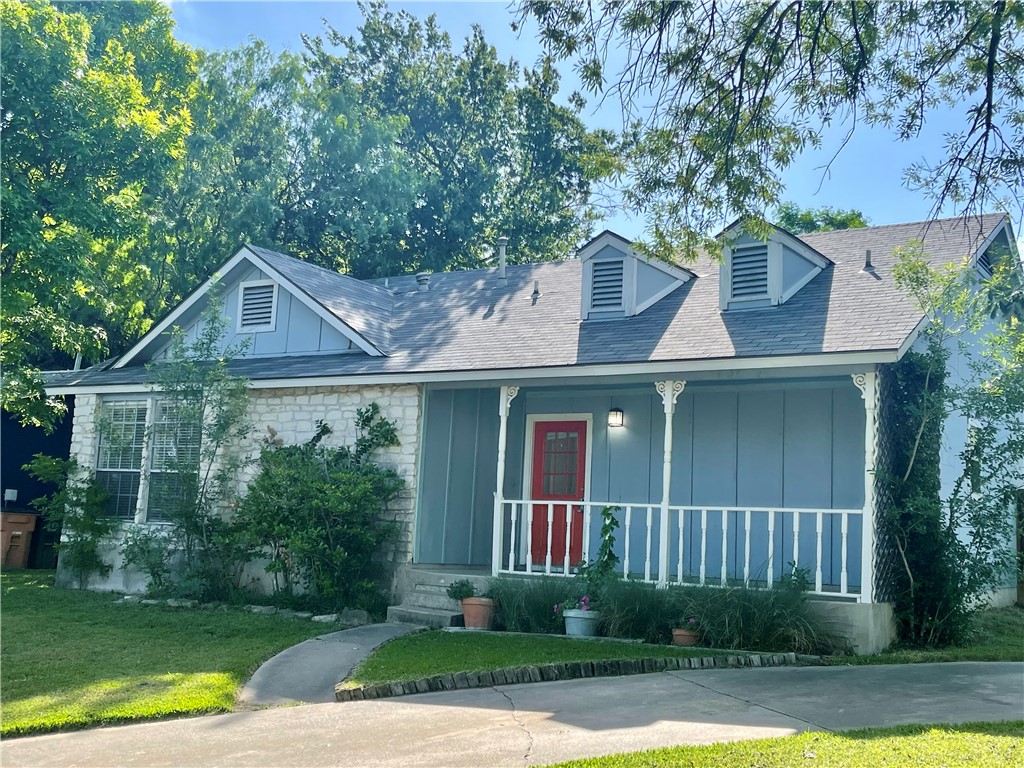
x: 953, y: 551
x: 726, y: 96
x: 800, y: 221
x: 494, y: 155
x: 95, y: 113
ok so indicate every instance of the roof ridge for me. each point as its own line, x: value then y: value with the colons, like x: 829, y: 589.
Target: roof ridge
x: 977, y: 217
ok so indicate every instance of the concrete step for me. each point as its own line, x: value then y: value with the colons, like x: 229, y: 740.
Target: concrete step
x: 431, y: 617
x: 431, y: 596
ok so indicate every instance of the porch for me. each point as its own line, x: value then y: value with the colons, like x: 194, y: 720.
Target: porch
x: 711, y: 482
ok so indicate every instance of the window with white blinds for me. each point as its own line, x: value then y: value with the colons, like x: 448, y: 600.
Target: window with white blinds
x: 257, y: 306
x: 750, y: 272
x: 145, y: 450
x: 607, y: 285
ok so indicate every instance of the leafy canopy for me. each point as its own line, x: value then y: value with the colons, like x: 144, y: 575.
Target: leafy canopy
x: 725, y: 96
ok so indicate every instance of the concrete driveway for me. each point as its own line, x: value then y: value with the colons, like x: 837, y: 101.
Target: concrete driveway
x: 548, y: 722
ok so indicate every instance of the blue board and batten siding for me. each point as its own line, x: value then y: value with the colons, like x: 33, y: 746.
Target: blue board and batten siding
x: 756, y: 445
x: 298, y: 330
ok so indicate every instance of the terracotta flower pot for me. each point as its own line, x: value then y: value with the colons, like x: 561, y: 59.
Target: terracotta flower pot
x: 478, y: 612
x: 684, y: 637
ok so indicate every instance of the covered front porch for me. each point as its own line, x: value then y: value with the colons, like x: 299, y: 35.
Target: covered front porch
x: 711, y: 482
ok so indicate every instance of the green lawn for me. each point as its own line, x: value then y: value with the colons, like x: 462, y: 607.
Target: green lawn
x: 1000, y: 637
x: 436, y: 653
x: 977, y: 745
x: 73, y: 659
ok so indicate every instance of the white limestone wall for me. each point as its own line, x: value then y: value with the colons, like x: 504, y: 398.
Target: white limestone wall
x: 293, y: 414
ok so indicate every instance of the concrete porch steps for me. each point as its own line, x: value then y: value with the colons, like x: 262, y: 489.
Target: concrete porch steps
x: 422, y: 592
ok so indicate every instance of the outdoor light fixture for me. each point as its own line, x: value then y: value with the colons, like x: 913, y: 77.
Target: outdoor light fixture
x: 615, y: 417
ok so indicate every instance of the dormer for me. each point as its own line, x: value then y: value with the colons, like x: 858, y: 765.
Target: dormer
x: 764, y: 273
x: 619, y: 282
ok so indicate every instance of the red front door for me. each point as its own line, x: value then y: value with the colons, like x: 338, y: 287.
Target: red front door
x: 559, y: 474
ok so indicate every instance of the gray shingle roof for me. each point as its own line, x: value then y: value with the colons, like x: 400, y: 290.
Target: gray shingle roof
x: 464, y: 322
x: 364, y: 307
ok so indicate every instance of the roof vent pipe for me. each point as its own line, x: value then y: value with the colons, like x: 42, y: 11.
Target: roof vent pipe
x: 502, y: 246
x: 423, y: 281
x: 868, y: 266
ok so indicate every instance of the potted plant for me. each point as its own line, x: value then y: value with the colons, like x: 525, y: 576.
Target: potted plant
x: 581, y: 620
x: 688, y: 632
x: 477, y: 611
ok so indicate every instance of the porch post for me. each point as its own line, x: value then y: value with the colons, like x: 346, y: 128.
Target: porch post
x: 669, y: 391
x: 505, y: 399
x: 867, y: 383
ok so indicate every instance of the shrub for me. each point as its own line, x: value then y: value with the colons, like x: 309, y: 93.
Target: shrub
x: 637, y: 610
x: 150, y: 551
x: 318, y: 513
x: 528, y: 605
x: 461, y: 589
x: 78, y: 510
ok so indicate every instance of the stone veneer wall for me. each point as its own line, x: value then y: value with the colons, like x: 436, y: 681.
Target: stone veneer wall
x: 293, y: 414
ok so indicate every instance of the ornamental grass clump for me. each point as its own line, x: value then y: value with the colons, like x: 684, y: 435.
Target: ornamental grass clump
x: 526, y: 605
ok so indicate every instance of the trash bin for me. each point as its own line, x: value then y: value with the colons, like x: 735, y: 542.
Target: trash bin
x: 15, y: 538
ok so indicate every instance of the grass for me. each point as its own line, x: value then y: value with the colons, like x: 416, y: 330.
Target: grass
x: 74, y: 659
x: 977, y: 745
x: 999, y: 636
x: 435, y: 653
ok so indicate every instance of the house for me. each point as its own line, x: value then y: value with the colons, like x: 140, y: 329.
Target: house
x: 728, y: 412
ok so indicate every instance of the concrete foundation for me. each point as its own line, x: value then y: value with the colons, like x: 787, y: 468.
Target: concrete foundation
x: 869, y: 627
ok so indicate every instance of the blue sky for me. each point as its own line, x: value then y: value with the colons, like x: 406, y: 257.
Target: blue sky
x: 867, y: 174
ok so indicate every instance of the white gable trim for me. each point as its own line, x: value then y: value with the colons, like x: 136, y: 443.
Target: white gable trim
x: 596, y: 245
x: 244, y: 254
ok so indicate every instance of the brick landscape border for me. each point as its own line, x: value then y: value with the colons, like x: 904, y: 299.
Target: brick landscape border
x: 348, y: 691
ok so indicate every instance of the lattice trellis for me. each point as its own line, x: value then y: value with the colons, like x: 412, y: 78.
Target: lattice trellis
x: 886, y: 557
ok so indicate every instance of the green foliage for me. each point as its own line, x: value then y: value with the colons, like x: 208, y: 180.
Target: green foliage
x: 78, y: 510
x: 721, y: 98
x: 779, y: 619
x: 528, y: 605
x: 601, y: 571
x: 203, y: 421
x: 95, y: 114
x: 319, y: 513
x: 493, y: 153
x: 799, y: 221
x: 952, y: 552
x: 460, y: 589
x: 150, y: 550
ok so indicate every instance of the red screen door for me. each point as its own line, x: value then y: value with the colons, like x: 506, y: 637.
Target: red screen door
x: 559, y: 474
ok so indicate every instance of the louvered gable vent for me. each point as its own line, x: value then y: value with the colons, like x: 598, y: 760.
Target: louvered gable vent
x: 257, y: 306
x: 606, y: 290
x: 750, y: 272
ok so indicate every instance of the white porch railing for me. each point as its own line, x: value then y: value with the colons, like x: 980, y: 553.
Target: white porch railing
x: 706, y: 545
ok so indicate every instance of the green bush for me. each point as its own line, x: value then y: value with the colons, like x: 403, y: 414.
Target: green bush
x: 319, y: 514
x: 528, y: 605
x: 637, y: 610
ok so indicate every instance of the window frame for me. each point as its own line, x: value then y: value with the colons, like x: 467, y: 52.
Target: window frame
x: 147, y: 462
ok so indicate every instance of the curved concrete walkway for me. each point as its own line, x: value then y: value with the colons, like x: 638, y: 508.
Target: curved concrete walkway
x: 542, y: 723
x: 307, y: 673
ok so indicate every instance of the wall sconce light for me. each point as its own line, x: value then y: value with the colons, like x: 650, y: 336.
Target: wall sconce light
x: 615, y: 417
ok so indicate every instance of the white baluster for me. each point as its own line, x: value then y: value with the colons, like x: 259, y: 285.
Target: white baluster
x: 529, y: 536
x: 679, y: 567
x: 703, y: 544
x: 771, y: 548
x: 746, y: 548
x: 512, y: 538
x: 817, y: 570
x: 725, y: 547
x: 629, y: 523
x: 568, y: 537
x: 586, y: 532
x: 551, y: 527
x: 647, y: 557
x: 843, y: 584
x: 796, y: 540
